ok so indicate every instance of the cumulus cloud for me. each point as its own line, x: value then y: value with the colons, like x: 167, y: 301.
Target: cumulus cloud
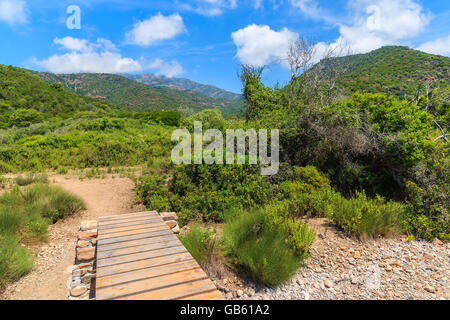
x: 259, y: 44
x: 83, y: 56
x: 439, y: 46
x: 13, y: 12
x: 157, y: 28
x: 168, y: 69
x: 376, y: 23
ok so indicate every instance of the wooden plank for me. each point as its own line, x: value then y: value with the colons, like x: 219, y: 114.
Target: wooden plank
x: 148, y: 273
x: 161, y: 283
x: 139, y: 257
x: 136, y: 249
x: 179, y: 291
x: 137, y: 265
x: 127, y: 224
x: 130, y: 220
x: 120, y: 228
x: 101, y: 242
x: 132, y: 232
x: 128, y: 215
x: 212, y: 295
x: 134, y: 243
x: 147, y: 255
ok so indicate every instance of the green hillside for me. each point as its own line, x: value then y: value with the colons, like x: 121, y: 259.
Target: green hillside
x: 136, y: 96
x: 393, y: 70
x: 25, y: 99
x: 184, y: 84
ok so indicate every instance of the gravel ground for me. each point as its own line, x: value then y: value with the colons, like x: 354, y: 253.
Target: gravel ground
x: 344, y: 268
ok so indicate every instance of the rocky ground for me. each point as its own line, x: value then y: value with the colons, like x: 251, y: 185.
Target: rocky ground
x: 344, y: 268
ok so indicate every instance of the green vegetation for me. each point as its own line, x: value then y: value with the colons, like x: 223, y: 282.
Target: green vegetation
x: 201, y: 243
x: 258, y: 249
x: 25, y: 215
x: 371, y: 155
x: 392, y: 70
x: 31, y: 178
x: 136, y: 96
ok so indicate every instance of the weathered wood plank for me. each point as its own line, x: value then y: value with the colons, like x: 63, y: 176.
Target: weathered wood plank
x: 137, y: 265
x: 127, y: 215
x: 132, y: 220
x: 146, y: 273
x: 132, y: 232
x: 121, y: 228
x: 133, y: 243
x: 175, y: 292
x: 134, y: 237
x: 147, y: 255
x: 136, y: 249
x: 212, y: 295
x: 154, y: 284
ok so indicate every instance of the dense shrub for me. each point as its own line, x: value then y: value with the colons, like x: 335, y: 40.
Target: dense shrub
x: 258, y: 249
x: 24, y: 218
x: 363, y: 217
x: 31, y: 178
x: 201, y: 243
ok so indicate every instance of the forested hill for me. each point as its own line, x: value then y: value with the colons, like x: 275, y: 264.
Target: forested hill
x: 393, y: 69
x: 184, y: 84
x: 24, y: 95
x: 136, y: 96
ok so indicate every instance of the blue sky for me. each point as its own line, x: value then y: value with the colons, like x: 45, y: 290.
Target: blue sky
x: 207, y: 40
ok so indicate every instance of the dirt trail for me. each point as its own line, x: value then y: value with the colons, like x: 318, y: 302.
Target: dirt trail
x: 49, y: 276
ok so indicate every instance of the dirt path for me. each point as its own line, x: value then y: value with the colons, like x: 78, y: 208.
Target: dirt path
x: 48, y: 278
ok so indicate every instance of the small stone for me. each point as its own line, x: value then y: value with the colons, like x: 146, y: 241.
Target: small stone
x: 88, y: 225
x: 346, y: 290
x: 395, y: 264
x: 82, y: 244
x: 87, y: 235
x: 176, y: 229
x: 94, y: 242
x: 85, y: 254
x: 250, y: 292
x: 87, y: 278
x: 354, y: 280
x: 327, y: 284
x: 356, y: 254
x: 171, y: 224
x: 429, y: 289
x: 239, y: 293
x: 78, y: 291
x: 437, y: 242
x: 167, y: 216
x: 427, y: 257
x: 388, y: 269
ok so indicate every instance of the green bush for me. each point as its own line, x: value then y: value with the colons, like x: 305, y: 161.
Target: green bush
x: 24, y: 218
x: 201, y: 243
x: 258, y: 249
x: 15, y: 260
x: 31, y: 178
x: 363, y: 217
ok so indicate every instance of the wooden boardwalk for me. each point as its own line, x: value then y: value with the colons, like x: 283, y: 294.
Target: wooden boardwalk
x: 139, y: 258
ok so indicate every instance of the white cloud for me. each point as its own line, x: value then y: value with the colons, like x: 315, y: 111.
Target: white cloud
x: 83, y: 56
x: 376, y: 23
x: 13, y: 12
x: 259, y: 45
x: 439, y: 46
x: 157, y: 28
x: 168, y: 69
x: 211, y: 8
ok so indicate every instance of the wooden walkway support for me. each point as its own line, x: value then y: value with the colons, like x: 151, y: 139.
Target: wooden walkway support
x: 139, y: 258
